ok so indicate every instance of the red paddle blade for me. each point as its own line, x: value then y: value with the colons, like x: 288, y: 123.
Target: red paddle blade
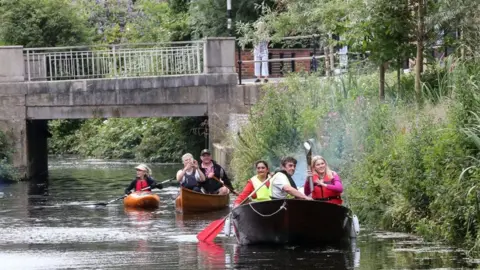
x: 211, y: 231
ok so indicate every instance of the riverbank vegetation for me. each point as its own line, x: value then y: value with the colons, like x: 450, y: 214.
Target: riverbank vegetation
x: 405, y: 167
x: 145, y: 139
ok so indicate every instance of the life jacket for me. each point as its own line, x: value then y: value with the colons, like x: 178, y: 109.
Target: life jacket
x: 141, y: 184
x: 263, y: 194
x: 189, y: 180
x: 324, y: 194
x: 290, y: 180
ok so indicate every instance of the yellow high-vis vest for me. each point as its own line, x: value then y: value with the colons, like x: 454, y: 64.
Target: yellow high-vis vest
x: 263, y: 194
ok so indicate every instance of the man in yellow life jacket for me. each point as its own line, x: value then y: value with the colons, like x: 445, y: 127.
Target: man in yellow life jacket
x: 282, y: 185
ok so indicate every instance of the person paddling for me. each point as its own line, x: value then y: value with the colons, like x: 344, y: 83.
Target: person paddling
x: 143, y: 180
x: 217, y: 181
x: 327, y: 185
x: 282, y: 185
x: 263, y: 194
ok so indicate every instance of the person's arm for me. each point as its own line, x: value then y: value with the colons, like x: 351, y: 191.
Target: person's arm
x: 180, y: 175
x: 199, y: 176
x: 244, y: 194
x: 152, y: 183
x: 336, y: 184
x: 130, y: 187
x: 294, y: 192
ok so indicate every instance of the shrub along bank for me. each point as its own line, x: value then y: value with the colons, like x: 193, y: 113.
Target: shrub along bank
x: 406, y: 167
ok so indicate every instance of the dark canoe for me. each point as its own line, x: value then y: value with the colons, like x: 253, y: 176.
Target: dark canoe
x: 189, y: 201
x: 292, y: 221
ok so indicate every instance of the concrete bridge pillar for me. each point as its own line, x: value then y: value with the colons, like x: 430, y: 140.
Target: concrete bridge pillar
x: 27, y: 138
x: 12, y: 103
x: 223, y: 99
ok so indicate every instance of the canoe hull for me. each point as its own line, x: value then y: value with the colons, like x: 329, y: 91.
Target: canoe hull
x: 292, y: 221
x: 142, y: 200
x: 189, y: 201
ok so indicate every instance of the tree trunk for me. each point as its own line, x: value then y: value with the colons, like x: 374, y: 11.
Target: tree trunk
x: 332, y: 59
x: 419, y: 60
x: 399, y: 86
x: 381, y: 91
x: 326, y: 53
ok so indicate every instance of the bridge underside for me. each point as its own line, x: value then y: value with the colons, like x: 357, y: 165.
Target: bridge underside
x: 126, y: 111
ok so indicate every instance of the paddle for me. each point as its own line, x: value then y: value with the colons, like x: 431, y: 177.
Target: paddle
x: 214, y: 228
x: 125, y: 195
x: 308, y: 148
x: 231, y: 190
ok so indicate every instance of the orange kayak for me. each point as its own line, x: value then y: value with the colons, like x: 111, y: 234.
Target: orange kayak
x: 142, y: 199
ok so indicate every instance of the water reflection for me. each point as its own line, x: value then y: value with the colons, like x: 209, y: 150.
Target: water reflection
x: 52, y: 225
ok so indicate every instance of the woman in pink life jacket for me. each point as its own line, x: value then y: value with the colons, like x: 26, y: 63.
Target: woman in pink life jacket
x: 143, y: 181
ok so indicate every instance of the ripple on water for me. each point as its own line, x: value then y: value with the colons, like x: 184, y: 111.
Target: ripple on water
x: 53, y: 235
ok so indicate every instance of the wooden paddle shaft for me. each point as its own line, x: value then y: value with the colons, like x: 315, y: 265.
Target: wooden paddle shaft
x: 233, y: 191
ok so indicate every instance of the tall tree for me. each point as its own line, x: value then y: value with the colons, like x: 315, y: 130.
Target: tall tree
x: 42, y: 23
x: 209, y: 17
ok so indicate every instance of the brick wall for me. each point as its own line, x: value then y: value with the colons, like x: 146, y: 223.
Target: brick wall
x: 276, y: 68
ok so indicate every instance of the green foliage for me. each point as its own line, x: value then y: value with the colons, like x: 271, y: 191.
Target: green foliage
x: 146, y: 139
x: 42, y: 23
x: 158, y: 22
x: 208, y: 18
x: 7, y: 171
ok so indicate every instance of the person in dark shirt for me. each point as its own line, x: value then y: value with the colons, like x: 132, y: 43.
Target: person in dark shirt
x: 143, y: 180
x: 217, y: 181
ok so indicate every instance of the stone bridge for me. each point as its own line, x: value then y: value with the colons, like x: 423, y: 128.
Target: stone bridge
x: 37, y: 85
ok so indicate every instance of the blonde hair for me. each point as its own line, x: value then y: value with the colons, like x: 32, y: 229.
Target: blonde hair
x: 187, y: 155
x: 144, y: 168
x: 328, y: 171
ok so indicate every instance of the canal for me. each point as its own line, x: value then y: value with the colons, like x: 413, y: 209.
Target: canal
x: 54, y: 225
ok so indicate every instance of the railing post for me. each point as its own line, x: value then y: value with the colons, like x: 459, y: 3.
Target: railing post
x: 114, y: 62
x: 12, y: 67
x: 28, y: 64
x: 240, y: 64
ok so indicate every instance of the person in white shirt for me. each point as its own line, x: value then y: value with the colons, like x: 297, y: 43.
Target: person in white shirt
x: 190, y: 175
x: 282, y: 185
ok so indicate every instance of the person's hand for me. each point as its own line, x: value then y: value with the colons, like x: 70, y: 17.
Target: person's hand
x: 195, y: 164
x: 309, y: 173
x: 159, y: 186
x: 211, y: 175
x: 318, y: 182
x: 188, y: 166
x: 308, y: 198
x: 128, y: 192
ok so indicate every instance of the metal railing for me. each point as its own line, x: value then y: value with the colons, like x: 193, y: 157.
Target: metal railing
x: 313, y: 63
x: 113, y: 61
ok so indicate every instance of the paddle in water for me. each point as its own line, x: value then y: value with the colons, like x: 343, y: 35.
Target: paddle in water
x: 214, y: 228
x: 308, y: 149
x: 125, y: 195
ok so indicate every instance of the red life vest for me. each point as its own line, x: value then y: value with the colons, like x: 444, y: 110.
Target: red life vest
x: 325, y: 194
x: 141, y: 184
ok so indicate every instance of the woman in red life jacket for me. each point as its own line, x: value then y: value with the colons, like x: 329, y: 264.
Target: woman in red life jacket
x: 327, y: 185
x: 143, y: 181
x: 263, y: 193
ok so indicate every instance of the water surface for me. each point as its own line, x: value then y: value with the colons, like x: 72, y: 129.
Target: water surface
x: 54, y: 225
